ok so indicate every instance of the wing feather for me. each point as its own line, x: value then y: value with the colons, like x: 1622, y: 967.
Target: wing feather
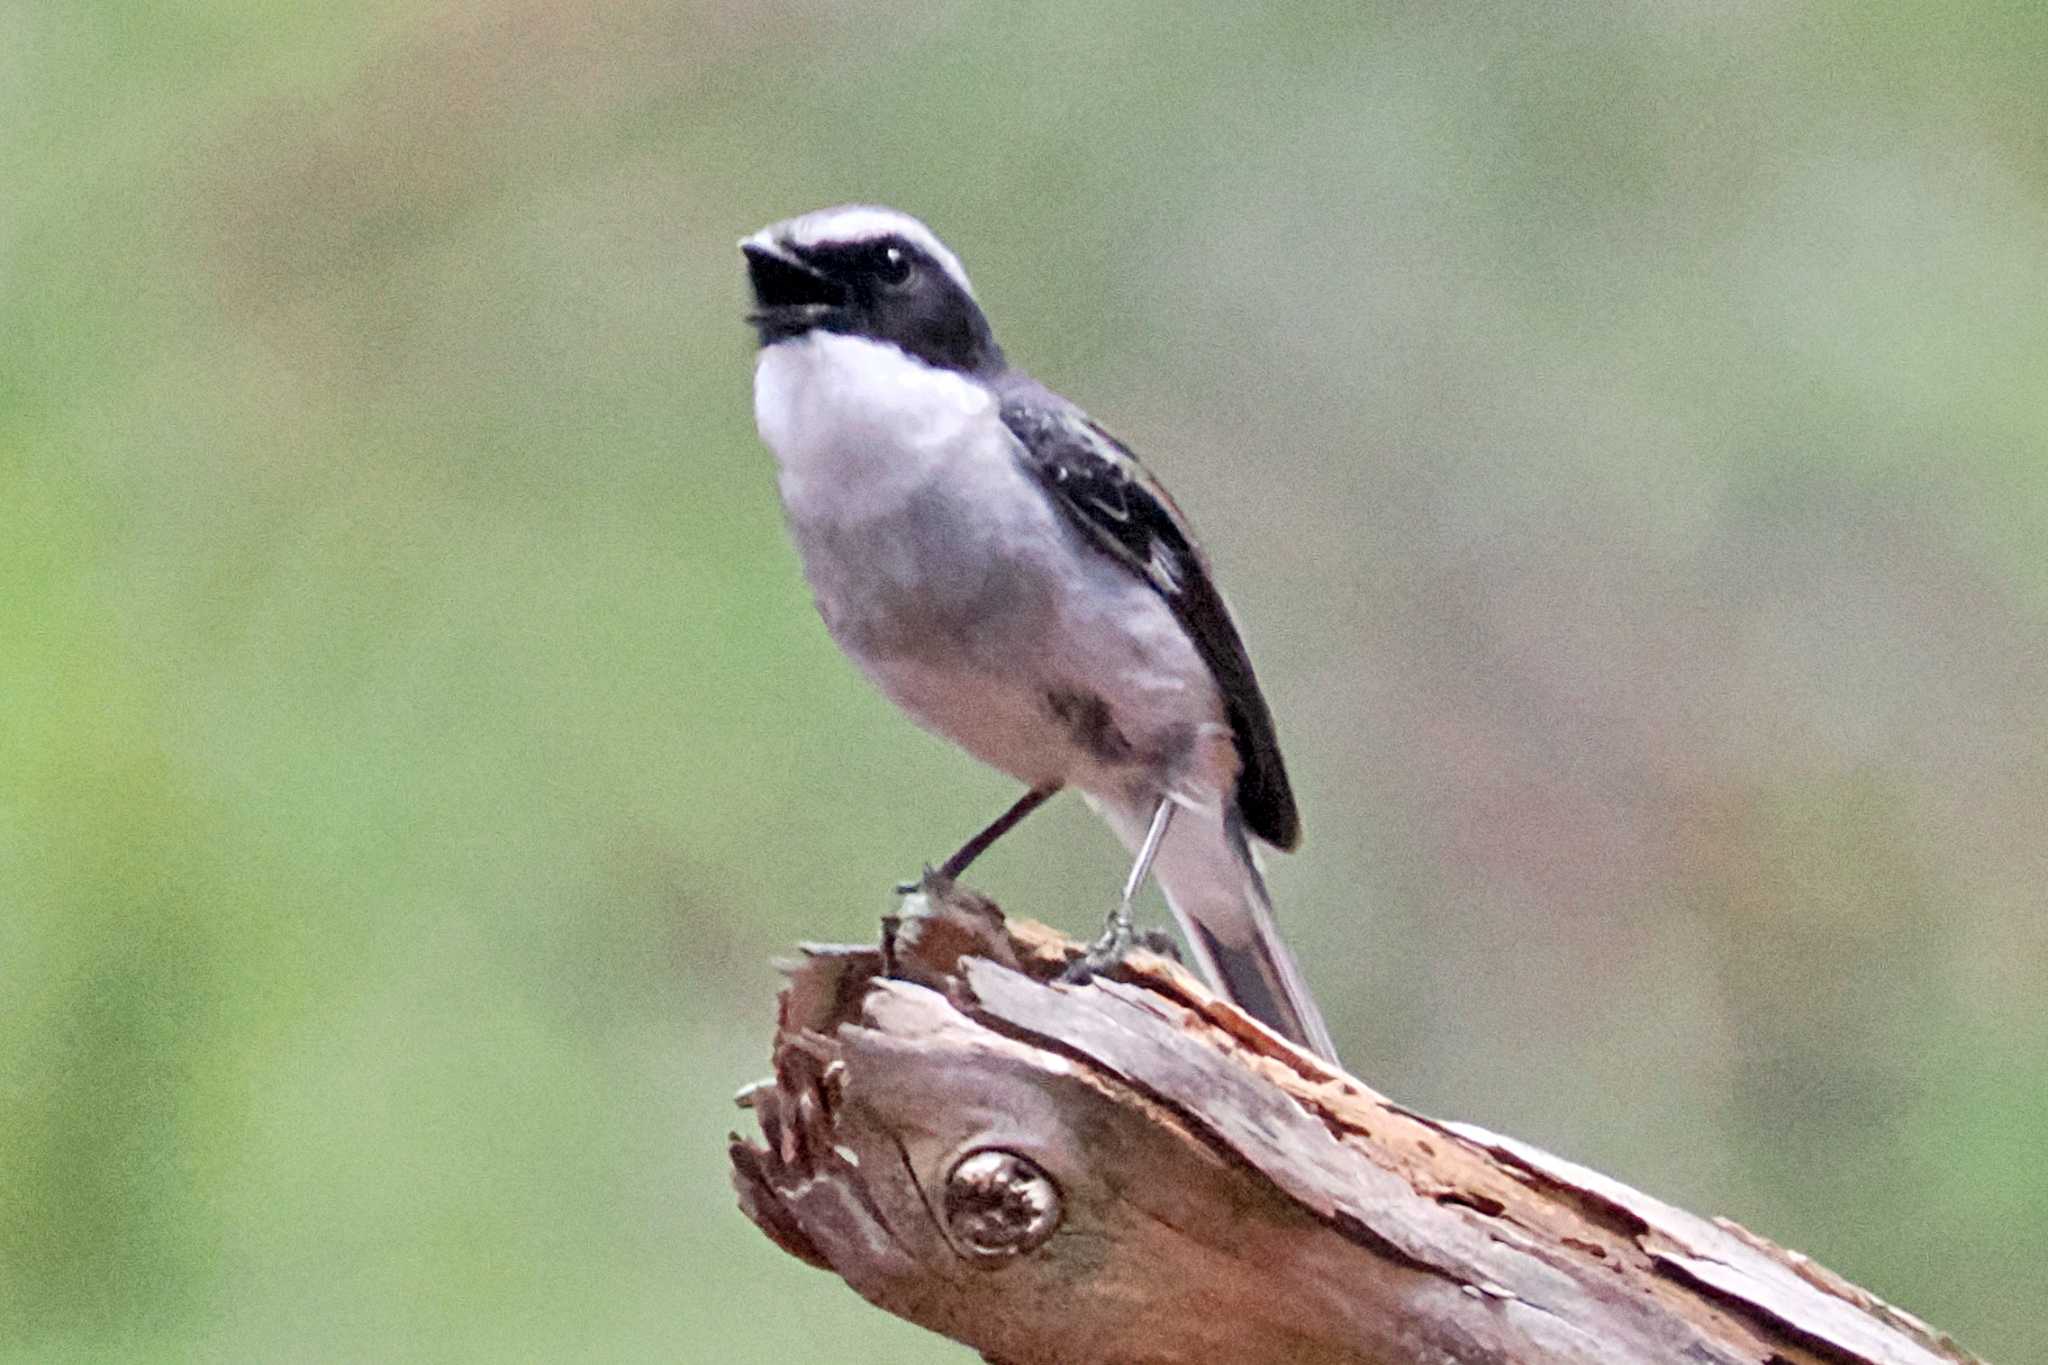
x: 1122, y: 511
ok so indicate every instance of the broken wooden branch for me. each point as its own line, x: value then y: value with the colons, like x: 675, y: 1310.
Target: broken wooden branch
x: 1133, y: 1171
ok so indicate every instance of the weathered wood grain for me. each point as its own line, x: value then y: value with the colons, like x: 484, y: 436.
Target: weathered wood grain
x: 1133, y: 1171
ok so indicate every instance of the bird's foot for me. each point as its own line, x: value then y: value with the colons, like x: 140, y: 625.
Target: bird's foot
x: 1119, y: 940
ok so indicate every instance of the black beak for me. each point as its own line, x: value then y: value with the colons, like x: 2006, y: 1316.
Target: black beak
x: 790, y: 296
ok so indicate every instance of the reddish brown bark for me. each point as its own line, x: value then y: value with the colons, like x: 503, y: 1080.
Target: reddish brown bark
x: 1133, y: 1171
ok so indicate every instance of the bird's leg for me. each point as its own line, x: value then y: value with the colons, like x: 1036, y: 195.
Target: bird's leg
x: 965, y: 855
x: 1118, y: 937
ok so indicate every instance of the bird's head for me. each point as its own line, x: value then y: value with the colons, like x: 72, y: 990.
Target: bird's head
x: 870, y: 272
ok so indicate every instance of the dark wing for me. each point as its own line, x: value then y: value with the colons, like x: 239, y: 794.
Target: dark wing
x: 1118, y: 506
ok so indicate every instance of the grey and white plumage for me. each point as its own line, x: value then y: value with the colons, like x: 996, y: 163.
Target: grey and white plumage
x: 1010, y: 575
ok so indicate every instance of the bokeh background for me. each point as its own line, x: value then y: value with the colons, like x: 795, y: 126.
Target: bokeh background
x: 1620, y: 426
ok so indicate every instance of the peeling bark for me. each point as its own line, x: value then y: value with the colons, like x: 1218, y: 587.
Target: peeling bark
x: 1133, y: 1171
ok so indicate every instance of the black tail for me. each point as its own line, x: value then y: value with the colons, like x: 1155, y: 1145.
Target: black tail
x: 1256, y: 978
x: 1260, y: 977
x: 1258, y: 974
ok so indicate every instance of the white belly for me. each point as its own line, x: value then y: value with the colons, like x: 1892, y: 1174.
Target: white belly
x: 947, y: 575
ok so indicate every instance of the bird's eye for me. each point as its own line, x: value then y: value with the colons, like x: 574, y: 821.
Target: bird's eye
x: 893, y: 266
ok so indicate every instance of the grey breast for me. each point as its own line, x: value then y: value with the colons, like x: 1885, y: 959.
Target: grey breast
x: 934, y: 579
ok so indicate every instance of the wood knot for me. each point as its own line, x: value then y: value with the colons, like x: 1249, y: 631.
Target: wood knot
x: 1000, y: 1205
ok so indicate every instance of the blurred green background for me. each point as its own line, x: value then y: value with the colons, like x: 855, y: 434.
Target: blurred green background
x: 1621, y: 428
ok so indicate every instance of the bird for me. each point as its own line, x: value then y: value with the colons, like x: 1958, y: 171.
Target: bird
x: 1010, y: 575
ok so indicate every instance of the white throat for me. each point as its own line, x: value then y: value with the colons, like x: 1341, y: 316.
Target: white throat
x: 856, y: 424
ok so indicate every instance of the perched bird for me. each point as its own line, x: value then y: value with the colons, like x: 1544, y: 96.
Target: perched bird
x: 1009, y: 574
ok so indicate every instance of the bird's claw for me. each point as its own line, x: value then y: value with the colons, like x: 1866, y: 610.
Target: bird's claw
x: 1119, y: 940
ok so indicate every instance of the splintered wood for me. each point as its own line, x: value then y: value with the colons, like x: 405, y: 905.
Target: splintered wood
x: 1133, y: 1171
